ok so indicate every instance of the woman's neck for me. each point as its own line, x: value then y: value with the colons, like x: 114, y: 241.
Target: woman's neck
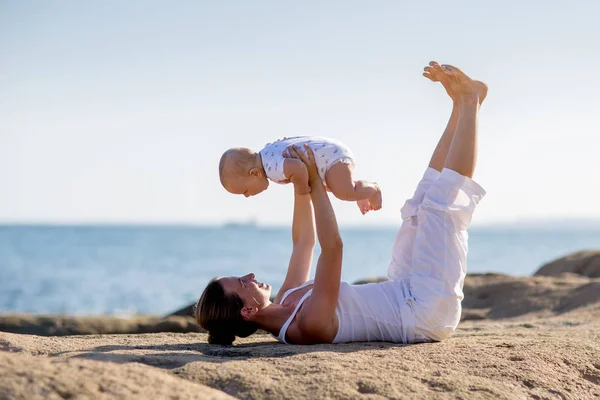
x: 272, y: 318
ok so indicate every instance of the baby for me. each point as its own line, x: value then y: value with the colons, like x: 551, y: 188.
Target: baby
x: 244, y: 171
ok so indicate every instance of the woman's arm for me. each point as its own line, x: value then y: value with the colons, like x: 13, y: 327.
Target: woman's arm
x: 303, y: 241
x: 317, y: 317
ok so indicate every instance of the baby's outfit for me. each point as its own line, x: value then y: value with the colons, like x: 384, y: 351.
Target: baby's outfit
x: 327, y: 152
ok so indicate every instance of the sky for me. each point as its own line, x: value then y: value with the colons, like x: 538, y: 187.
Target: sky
x: 118, y: 112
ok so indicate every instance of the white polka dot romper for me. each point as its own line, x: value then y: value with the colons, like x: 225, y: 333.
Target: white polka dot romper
x: 327, y: 153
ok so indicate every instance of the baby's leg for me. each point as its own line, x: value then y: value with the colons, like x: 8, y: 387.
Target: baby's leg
x: 340, y: 182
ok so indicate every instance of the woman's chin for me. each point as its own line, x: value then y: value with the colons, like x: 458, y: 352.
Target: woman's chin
x: 267, y: 289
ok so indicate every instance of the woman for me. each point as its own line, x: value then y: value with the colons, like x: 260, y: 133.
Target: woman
x: 421, y: 301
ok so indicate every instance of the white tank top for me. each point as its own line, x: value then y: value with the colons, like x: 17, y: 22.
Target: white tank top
x: 367, y: 313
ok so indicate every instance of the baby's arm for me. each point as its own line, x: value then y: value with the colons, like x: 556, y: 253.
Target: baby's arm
x: 296, y: 172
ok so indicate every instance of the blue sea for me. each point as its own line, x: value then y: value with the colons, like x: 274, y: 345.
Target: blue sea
x: 126, y: 270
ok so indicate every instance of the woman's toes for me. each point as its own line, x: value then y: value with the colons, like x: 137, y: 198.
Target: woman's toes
x: 448, y: 68
x: 434, y: 64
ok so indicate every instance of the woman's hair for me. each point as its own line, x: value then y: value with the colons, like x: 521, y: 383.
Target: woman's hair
x: 219, y: 313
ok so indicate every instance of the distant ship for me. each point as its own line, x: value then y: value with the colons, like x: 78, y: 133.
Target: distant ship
x: 250, y: 224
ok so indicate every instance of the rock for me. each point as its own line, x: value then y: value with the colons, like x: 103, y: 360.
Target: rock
x: 369, y: 280
x: 521, y: 337
x: 187, y: 311
x: 23, y: 376
x: 487, y: 296
x: 586, y: 263
x: 524, y: 357
x: 496, y: 296
x: 66, y: 325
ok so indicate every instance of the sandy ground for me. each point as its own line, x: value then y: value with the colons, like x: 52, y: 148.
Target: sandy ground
x: 528, y: 337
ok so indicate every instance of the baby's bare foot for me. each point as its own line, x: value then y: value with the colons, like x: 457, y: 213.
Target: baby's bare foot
x: 363, y: 206
x: 375, y: 201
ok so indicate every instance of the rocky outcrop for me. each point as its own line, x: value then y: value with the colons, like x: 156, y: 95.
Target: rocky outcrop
x: 24, y: 376
x: 585, y: 263
x: 525, y: 357
x: 487, y: 296
x: 521, y: 337
x: 66, y: 325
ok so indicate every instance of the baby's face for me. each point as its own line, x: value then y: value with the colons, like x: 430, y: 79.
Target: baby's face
x: 248, y: 185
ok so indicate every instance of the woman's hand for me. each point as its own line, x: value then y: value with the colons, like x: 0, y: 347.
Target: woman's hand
x: 308, y: 159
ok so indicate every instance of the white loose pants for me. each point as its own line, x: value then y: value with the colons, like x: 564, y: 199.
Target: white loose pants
x: 430, y: 251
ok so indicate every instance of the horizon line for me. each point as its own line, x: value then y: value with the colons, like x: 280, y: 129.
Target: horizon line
x: 533, y: 222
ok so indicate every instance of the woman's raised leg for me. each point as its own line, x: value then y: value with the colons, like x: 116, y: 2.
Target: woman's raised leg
x: 468, y: 94
x: 402, y: 249
x: 440, y: 247
x: 435, y: 73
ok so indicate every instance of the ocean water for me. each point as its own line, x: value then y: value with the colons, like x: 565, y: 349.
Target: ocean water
x: 123, y: 270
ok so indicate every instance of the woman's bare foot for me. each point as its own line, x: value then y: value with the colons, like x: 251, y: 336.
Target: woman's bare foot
x: 482, y: 90
x: 455, y: 81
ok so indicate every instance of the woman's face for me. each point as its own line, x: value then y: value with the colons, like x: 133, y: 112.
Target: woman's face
x: 254, y: 294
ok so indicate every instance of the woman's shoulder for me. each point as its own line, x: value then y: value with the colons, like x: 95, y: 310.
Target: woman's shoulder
x: 285, y: 293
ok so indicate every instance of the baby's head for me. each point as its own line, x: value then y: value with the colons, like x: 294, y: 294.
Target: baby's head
x: 241, y: 172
